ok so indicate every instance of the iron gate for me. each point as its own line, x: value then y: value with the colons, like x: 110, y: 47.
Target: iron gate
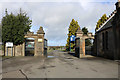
x: 45, y: 47
x: 29, y: 47
x: 77, y: 47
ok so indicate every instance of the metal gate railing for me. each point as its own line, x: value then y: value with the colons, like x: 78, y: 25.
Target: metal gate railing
x: 77, y: 47
x: 29, y: 47
x: 45, y: 47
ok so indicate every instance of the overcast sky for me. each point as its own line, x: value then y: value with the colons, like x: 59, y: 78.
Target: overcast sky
x: 55, y: 15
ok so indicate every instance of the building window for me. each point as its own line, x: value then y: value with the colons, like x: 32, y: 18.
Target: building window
x: 106, y: 40
x: 103, y: 45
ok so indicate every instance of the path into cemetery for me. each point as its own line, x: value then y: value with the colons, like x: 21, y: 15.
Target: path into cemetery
x: 59, y: 64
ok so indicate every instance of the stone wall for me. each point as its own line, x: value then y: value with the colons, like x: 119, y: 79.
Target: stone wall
x: 16, y: 50
x: 19, y: 50
x: 104, y: 52
x: 116, y: 31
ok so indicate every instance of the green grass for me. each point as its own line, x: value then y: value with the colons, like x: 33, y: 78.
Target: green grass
x: 63, y: 50
x: 49, y: 50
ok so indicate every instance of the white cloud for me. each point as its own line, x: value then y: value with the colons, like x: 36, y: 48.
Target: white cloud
x: 56, y: 16
x: 84, y: 1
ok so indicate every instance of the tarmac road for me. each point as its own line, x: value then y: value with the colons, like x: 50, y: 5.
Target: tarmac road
x: 59, y: 65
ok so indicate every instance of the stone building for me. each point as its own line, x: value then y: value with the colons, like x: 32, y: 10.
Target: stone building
x: 34, y: 45
x: 107, y: 37
x: 116, y: 31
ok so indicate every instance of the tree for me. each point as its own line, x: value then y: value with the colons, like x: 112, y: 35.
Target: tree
x: 72, y: 30
x: 101, y: 21
x: 87, y: 41
x: 85, y: 30
x: 14, y: 27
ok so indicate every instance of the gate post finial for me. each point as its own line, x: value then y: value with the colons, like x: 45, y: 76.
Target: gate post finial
x: 40, y: 31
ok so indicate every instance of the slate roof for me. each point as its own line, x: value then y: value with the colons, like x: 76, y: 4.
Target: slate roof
x: 108, y: 22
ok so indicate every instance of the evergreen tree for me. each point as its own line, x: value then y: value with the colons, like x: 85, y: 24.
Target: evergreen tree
x: 72, y: 30
x: 101, y: 21
x: 14, y: 27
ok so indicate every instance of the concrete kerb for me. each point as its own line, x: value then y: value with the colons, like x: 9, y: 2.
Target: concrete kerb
x: 72, y: 54
x: 9, y: 57
x: 92, y: 57
x: 6, y: 57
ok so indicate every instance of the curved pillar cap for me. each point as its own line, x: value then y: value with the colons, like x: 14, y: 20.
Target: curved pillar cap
x: 40, y: 31
x: 79, y: 31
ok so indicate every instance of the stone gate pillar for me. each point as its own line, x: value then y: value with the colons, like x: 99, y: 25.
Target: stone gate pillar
x: 83, y: 47
x: 39, y: 42
x: 82, y: 37
x: 79, y: 34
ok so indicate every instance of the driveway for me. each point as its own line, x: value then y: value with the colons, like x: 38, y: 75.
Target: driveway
x: 59, y: 65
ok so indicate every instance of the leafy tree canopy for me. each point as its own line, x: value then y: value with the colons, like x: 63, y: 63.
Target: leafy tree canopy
x: 14, y: 27
x: 85, y: 30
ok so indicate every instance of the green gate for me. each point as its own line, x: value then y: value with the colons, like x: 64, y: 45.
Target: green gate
x: 45, y: 47
x: 29, y: 47
x: 77, y: 47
